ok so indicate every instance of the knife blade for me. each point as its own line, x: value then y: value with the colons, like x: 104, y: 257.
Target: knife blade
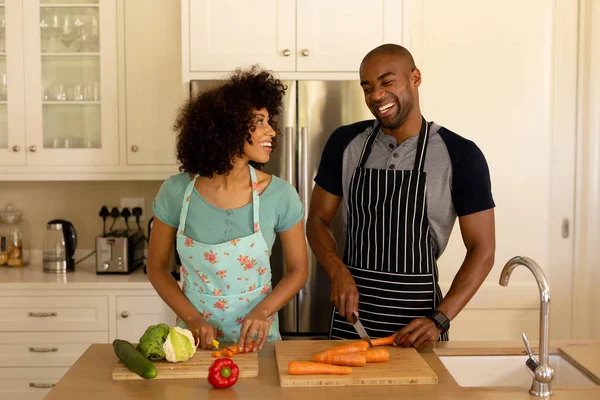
x: 360, y: 329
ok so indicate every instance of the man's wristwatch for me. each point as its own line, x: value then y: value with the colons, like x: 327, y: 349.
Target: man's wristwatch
x: 440, y: 320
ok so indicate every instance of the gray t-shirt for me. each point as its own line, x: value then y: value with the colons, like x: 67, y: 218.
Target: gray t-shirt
x: 458, y: 179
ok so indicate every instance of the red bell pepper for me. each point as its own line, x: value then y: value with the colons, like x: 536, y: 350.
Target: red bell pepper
x: 223, y: 373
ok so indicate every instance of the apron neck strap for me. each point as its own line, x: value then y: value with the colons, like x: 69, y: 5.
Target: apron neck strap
x: 422, y: 146
x: 255, y: 198
x: 368, y: 145
x: 186, y: 203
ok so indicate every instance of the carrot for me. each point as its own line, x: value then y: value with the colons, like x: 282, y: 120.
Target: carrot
x: 388, y: 340
x: 376, y: 355
x: 227, y: 352
x: 313, y: 368
x: 348, y: 359
x: 353, y: 347
x: 216, y: 354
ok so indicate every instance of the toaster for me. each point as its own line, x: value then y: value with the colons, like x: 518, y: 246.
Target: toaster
x: 119, y: 254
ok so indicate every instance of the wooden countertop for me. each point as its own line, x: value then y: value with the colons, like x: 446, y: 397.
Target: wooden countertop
x: 90, y: 379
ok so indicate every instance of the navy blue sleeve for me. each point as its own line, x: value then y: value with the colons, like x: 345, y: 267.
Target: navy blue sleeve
x: 329, y: 175
x: 471, y: 183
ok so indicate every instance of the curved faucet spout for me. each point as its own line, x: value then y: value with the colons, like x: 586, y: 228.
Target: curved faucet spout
x: 543, y: 373
x: 535, y: 269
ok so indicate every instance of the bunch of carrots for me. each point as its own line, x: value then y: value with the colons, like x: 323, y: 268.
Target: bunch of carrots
x: 231, y: 351
x: 340, y: 360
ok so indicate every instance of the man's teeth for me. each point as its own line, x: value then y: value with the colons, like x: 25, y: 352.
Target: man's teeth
x: 265, y: 144
x: 385, y: 107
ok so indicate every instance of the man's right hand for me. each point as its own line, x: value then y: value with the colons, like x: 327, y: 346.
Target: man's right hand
x: 203, y: 331
x: 344, y: 294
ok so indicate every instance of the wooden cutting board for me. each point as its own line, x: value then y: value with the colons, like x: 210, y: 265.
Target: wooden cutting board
x: 405, y: 367
x: 195, y: 367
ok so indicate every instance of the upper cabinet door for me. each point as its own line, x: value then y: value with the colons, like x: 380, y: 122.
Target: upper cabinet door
x: 335, y: 35
x: 71, y: 85
x: 12, y: 103
x: 154, y: 91
x: 224, y: 35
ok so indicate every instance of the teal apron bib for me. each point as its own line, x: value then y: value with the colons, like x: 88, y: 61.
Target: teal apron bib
x: 226, y: 281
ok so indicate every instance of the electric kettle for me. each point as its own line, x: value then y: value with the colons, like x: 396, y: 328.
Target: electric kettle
x: 60, y: 242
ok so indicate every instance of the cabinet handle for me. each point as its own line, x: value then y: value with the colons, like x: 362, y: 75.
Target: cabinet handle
x: 32, y: 149
x: 16, y: 148
x: 42, y: 314
x: 43, y: 349
x: 305, y: 52
x: 42, y: 385
x: 134, y: 148
x: 287, y: 53
x: 124, y: 314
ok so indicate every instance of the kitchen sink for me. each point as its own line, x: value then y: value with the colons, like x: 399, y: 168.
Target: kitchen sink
x: 508, y: 370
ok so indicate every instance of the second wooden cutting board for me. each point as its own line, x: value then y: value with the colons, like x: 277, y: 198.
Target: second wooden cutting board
x: 405, y: 367
x: 195, y: 367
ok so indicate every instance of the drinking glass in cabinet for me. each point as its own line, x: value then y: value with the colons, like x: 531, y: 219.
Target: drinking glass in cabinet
x: 68, y: 126
x: 71, y: 78
x: 69, y: 29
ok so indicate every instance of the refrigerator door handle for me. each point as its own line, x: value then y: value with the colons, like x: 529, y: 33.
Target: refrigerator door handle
x: 289, y: 153
x: 305, y: 182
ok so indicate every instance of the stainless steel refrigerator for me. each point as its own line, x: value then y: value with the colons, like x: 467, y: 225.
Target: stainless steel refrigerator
x: 312, y: 111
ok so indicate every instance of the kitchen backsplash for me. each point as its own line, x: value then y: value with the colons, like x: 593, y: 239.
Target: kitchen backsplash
x: 77, y: 202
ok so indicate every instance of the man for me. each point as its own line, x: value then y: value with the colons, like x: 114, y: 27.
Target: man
x: 402, y: 182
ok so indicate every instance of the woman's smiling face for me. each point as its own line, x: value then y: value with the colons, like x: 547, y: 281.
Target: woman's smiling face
x: 260, y: 149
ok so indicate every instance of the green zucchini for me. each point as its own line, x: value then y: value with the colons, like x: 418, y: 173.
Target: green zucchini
x: 133, y: 359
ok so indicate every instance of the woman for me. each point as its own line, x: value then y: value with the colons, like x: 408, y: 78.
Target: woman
x: 225, y: 214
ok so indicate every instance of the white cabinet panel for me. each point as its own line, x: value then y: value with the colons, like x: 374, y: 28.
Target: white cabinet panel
x: 54, y: 313
x: 28, y: 383
x: 335, y: 35
x: 136, y: 313
x: 55, y: 349
x: 224, y: 35
x: 154, y: 91
x: 286, y: 35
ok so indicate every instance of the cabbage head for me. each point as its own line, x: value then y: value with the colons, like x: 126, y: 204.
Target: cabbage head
x: 180, y: 345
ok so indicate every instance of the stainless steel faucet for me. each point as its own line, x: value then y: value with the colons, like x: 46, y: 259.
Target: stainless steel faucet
x: 543, y: 372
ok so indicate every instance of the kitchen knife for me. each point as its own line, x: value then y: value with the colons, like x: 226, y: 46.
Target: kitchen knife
x: 361, y: 330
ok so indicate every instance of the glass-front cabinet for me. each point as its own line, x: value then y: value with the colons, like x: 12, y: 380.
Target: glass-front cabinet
x: 70, y: 82
x: 12, y: 103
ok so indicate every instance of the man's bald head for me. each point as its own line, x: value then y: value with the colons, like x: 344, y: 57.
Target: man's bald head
x: 396, y: 51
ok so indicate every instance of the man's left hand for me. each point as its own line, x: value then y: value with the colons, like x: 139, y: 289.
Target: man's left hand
x: 418, y: 333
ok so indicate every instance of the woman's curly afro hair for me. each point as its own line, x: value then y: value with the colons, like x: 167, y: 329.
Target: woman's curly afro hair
x: 213, y: 126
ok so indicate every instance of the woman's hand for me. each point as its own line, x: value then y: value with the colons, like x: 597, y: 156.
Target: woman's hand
x: 256, y: 323
x: 203, y: 331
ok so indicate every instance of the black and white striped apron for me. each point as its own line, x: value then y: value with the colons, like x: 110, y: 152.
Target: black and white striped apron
x: 389, y: 248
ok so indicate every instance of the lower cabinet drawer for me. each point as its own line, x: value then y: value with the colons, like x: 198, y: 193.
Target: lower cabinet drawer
x: 53, y: 313
x: 33, y: 349
x: 28, y: 383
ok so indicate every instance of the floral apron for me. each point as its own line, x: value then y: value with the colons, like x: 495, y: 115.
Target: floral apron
x: 226, y: 281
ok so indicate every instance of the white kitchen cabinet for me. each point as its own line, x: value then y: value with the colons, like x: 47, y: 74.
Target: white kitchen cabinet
x: 47, y: 322
x: 45, y: 349
x: 12, y: 99
x: 28, y: 383
x: 153, y: 87
x: 286, y: 35
x: 53, y: 313
x: 136, y: 313
x: 69, y: 112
